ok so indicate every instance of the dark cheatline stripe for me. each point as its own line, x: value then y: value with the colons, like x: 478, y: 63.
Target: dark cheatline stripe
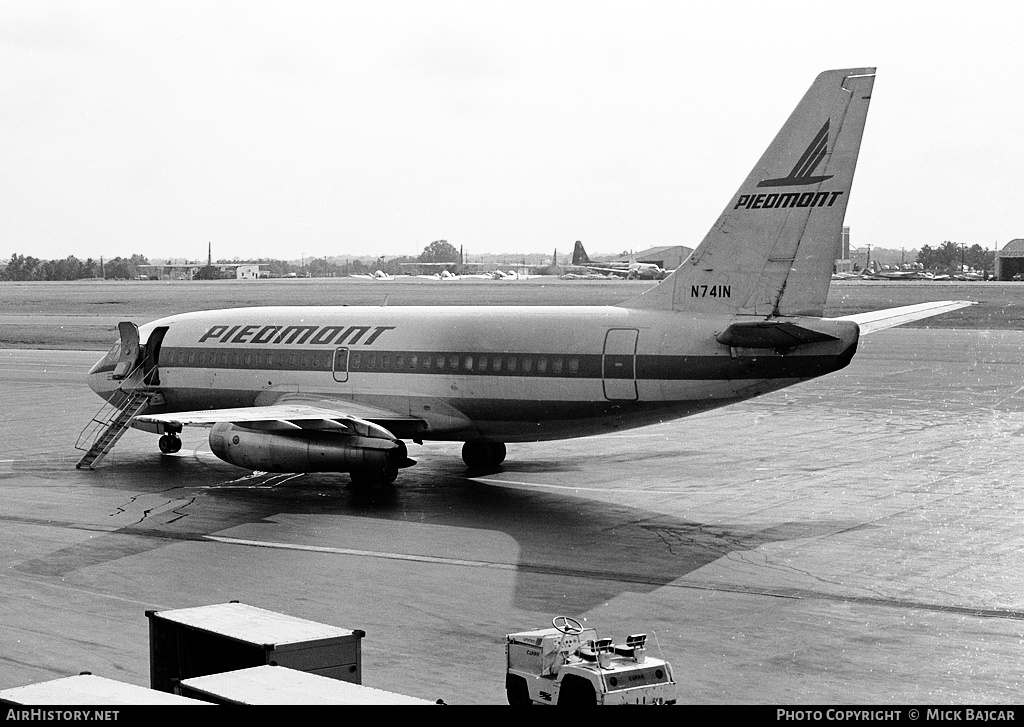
x: 467, y: 363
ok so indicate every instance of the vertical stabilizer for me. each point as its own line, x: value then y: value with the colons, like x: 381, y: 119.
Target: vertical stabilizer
x: 773, y: 249
x: 579, y: 255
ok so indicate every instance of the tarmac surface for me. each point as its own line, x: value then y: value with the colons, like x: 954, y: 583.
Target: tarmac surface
x: 852, y: 540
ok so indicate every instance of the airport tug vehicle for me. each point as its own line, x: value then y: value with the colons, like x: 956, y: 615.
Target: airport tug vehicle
x: 569, y: 664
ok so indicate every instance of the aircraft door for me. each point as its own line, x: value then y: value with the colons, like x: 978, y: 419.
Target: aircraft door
x: 341, y: 365
x: 618, y: 364
x: 129, y: 356
x: 152, y: 362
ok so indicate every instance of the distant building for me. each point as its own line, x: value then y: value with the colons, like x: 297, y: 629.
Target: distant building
x: 190, y: 271
x: 843, y: 262
x: 1010, y: 260
x: 860, y: 259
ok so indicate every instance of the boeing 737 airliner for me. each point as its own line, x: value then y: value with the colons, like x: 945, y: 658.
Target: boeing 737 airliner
x: 338, y: 389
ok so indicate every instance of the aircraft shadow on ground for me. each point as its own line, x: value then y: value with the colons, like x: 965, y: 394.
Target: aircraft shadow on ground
x: 574, y: 553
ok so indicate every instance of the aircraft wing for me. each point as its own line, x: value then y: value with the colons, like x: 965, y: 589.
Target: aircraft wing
x: 881, y: 319
x: 340, y: 416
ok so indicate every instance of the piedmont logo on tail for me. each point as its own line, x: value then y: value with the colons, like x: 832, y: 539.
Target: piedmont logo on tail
x: 342, y: 389
x: 804, y: 169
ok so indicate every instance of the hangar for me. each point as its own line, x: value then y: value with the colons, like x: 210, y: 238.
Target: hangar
x: 1010, y: 260
x: 669, y: 258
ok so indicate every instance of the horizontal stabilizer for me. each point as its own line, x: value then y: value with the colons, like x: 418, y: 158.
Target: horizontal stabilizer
x: 770, y: 334
x: 879, y: 320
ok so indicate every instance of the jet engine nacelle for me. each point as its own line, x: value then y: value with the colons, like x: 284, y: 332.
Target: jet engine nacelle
x: 305, y: 450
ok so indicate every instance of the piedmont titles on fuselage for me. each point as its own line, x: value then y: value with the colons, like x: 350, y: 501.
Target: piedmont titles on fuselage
x: 294, y: 334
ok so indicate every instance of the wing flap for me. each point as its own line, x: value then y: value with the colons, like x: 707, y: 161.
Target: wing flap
x: 879, y: 320
x: 290, y: 417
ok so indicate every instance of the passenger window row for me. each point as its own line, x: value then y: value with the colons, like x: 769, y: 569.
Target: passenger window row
x: 495, y: 364
x: 466, y: 362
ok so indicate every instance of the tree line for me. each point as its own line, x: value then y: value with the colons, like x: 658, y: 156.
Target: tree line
x: 953, y: 256
x: 27, y: 267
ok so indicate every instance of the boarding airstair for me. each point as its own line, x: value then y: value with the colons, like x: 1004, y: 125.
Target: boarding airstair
x: 111, y: 421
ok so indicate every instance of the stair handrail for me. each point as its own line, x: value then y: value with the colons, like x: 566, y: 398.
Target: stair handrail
x: 109, y: 411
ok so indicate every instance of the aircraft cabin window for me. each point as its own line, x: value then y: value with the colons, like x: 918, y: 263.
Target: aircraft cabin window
x: 467, y: 363
x: 511, y: 364
x: 574, y: 366
x: 385, y: 361
x: 371, y: 360
x: 440, y: 363
x: 527, y: 364
x: 412, y: 361
x: 355, y: 361
x: 426, y: 361
x: 497, y: 364
x: 556, y: 366
x: 542, y: 365
x: 481, y: 363
x: 453, y: 363
x: 304, y: 360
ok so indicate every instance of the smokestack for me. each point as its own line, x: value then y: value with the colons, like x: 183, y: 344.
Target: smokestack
x: 209, y: 254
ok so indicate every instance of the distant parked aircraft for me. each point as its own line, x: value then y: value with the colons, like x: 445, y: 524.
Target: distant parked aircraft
x: 631, y: 270
x: 378, y: 275
x: 910, y: 271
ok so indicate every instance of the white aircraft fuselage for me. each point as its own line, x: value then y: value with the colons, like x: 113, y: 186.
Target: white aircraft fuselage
x: 511, y: 373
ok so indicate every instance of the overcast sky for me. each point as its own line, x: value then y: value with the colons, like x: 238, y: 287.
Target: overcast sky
x: 280, y: 129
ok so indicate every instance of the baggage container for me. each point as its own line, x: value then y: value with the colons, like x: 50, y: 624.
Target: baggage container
x: 88, y: 690
x: 193, y: 642
x: 281, y: 685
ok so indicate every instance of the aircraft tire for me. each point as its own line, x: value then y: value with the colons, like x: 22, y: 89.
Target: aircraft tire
x: 483, y: 455
x: 169, y: 444
x: 367, y: 478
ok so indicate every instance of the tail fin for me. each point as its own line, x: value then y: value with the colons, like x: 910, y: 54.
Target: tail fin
x: 579, y: 255
x: 773, y: 249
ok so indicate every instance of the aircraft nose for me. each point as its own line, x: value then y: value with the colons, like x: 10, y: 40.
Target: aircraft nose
x: 98, y: 377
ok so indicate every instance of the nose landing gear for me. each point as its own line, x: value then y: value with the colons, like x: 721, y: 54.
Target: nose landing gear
x: 169, y: 443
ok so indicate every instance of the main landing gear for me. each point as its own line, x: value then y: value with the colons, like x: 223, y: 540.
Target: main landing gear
x: 169, y: 443
x: 381, y: 475
x: 373, y: 477
x: 483, y: 455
